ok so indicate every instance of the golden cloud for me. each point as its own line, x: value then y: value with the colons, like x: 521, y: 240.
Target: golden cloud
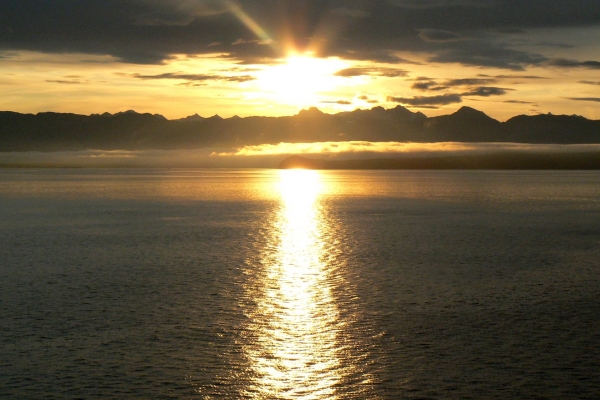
x: 350, y: 147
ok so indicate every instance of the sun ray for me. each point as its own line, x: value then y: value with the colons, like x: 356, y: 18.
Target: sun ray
x: 251, y: 24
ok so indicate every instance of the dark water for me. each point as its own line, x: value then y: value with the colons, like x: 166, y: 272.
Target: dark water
x: 261, y: 284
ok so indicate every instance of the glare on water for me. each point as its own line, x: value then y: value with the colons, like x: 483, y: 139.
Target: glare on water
x: 296, y: 353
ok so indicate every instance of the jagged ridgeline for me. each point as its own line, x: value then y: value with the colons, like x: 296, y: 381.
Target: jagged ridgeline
x: 134, y: 131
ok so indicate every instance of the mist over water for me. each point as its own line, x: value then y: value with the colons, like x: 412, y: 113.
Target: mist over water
x: 271, y: 155
x: 299, y: 284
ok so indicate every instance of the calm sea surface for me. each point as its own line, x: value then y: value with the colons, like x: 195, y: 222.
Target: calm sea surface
x: 275, y: 284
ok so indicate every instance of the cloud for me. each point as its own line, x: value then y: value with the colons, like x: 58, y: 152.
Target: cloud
x: 341, y: 102
x: 192, y: 84
x: 367, y: 99
x: 468, y: 82
x: 555, y: 45
x: 400, y: 148
x: 370, y: 53
x: 196, y: 77
x: 108, y: 154
x: 427, y: 100
x: 428, y: 4
x: 427, y: 85
x: 487, y: 54
x: 431, y: 85
x: 176, y: 12
x: 7, y: 55
x: 511, y: 31
x: 134, y: 31
x: 518, y: 102
x: 486, y: 91
x: 344, y: 147
x: 66, y: 82
x: 447, y: 98
x: 155, y: 31
x: 566, y: 63
x: 514, y: 76
x: 595, y: 99
x: 353, y: 13
x: 256, y: 41
x: 384, y: 72
x: 590, y: 82
x: 438, y: 35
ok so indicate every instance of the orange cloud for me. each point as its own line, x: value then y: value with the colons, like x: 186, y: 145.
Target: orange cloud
x: 354, y: 147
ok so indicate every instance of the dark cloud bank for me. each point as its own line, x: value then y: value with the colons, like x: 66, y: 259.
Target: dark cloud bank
x: 152, y: 31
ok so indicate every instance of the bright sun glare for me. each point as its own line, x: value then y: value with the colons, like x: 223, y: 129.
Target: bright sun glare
x: 300, y: 79
x: 299, y: 189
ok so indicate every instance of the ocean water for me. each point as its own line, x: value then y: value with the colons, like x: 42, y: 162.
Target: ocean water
x: 267, y: 284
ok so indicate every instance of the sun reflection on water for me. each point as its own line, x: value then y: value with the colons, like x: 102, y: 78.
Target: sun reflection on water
x: 296, y: 350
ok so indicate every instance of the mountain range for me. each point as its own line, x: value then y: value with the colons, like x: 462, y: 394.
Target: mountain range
x: 49, y: 131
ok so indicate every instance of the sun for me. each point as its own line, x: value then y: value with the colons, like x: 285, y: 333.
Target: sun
x: 299, y: 79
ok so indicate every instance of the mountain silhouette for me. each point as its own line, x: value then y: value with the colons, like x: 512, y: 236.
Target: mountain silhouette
x: 130, y: 130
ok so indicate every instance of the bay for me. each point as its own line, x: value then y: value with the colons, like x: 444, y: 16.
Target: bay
x: 141, y: 283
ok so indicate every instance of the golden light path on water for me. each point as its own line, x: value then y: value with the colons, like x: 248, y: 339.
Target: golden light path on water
x: 296, y: 354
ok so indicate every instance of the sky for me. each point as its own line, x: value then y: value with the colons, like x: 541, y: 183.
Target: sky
x: 276, y: 57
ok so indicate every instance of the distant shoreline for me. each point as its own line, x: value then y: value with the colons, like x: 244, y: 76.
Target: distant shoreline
x: 494, y: 161
x: 477, y: 160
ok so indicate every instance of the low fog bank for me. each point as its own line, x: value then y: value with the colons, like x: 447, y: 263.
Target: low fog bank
x: 204, y: 158
x: 270, y: 156
x: 364, y: 149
